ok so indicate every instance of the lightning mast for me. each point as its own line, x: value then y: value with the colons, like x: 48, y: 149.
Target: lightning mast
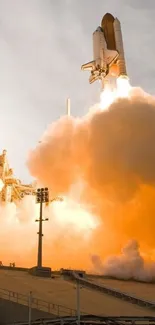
x: 68, y: 107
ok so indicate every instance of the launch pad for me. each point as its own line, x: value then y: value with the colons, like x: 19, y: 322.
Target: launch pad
x: 11, y: 188
x: 44, y: 272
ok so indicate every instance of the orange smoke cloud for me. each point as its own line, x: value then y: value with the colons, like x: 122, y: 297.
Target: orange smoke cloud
x: 112, y: 154
x: 18, y: 232
x: 111, y: 151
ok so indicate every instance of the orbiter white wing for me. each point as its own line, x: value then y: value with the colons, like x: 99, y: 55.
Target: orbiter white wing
x: 88, y: 66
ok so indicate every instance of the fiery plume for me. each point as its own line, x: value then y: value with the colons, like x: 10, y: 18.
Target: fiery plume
x: 103, y: 166
x: 111, y: 153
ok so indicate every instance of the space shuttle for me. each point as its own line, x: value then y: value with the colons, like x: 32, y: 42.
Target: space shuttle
x: 108, y: 52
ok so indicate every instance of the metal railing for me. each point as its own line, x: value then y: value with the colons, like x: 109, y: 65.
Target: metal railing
x: 95, y: 320
x: 112, y: 292
x: 36, y: 303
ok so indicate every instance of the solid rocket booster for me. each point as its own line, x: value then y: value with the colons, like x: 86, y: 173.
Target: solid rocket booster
x: 108, y: 52
x: 120, y: 49
x: 113, y: 35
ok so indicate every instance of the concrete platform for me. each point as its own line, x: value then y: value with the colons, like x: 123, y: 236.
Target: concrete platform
x: 61, y: 292
x: 142, y: 290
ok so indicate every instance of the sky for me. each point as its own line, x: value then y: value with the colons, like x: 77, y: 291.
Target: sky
x: 43, y: 44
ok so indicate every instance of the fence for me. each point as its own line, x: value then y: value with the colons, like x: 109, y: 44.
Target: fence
x: 36, y: 303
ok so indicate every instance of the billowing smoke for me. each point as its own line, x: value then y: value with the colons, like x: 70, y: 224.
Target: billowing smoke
x: 111, y: 151
x: 112, y: 154
x: 130, y: 265
x: 18, y: 234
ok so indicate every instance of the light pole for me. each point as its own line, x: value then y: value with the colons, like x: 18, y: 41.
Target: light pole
x: 78, y: 287
x: 78, y: 301
x: 30, y: 307
x: 42, y: 196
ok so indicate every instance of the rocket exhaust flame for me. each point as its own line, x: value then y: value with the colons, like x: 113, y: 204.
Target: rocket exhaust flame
x: 123, y: 87
x: 121, y: 91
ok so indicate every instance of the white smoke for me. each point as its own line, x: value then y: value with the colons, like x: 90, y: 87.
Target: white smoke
x: 130, y: 265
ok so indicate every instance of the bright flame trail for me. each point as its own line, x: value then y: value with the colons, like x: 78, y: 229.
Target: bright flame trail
x: 108, y: 96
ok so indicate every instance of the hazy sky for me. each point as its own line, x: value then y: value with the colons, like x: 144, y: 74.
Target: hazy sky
x: 43, y: 44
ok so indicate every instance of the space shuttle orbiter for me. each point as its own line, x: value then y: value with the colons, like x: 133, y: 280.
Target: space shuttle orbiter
x: 108, y: 52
